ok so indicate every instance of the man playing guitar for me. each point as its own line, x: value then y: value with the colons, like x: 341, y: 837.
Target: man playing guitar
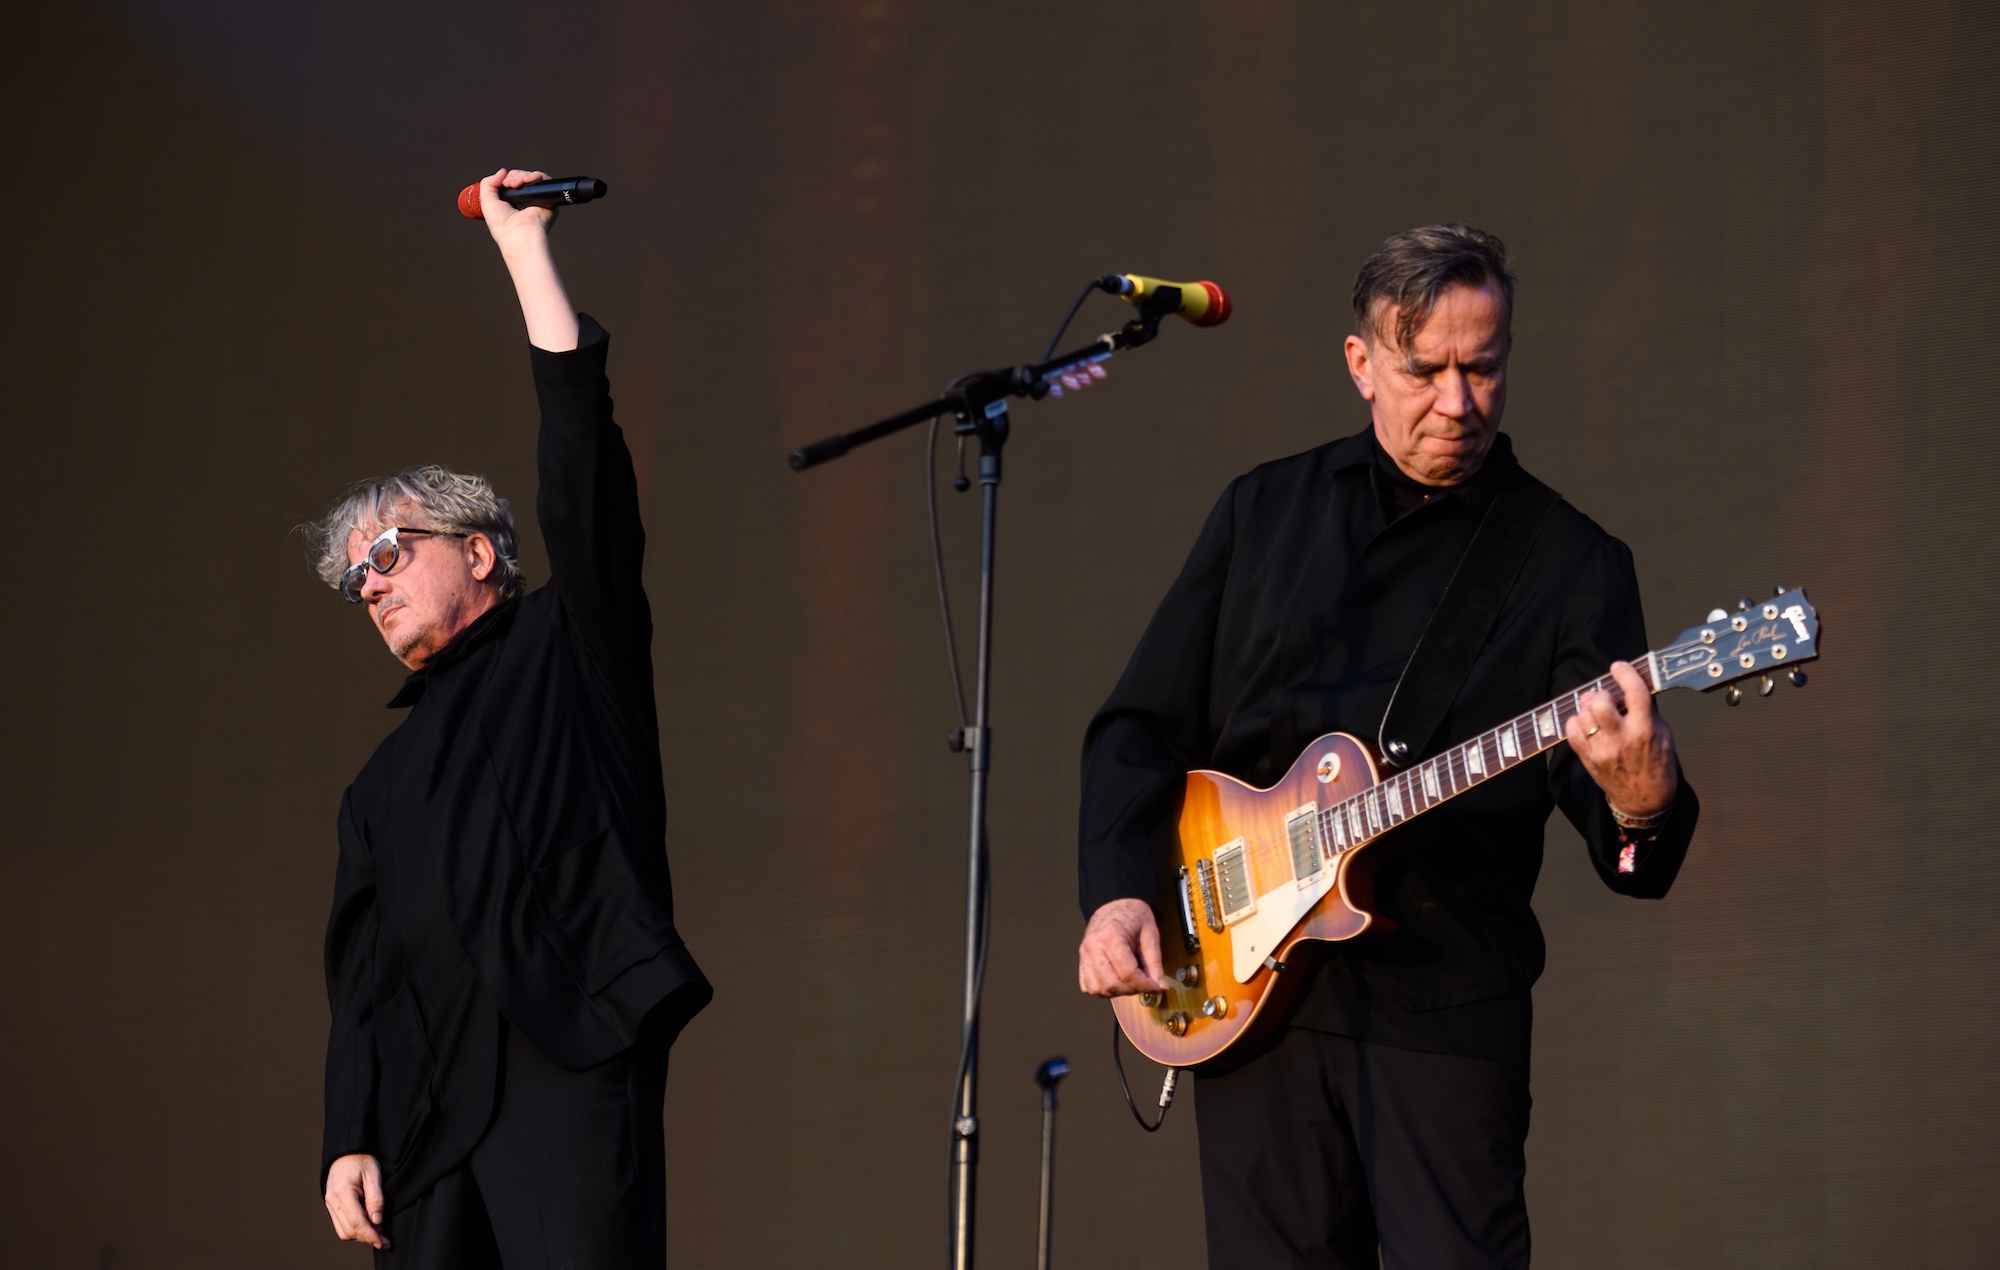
x: 1392, y: 1112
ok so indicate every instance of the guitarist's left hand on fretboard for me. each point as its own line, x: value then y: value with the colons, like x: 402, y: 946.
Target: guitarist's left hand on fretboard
x: 1626, y: 746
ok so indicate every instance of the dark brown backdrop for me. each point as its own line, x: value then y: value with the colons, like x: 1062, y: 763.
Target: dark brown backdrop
x: 1754, y: 337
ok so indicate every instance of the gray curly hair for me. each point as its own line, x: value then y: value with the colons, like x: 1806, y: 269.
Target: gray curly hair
x: 442, y: 501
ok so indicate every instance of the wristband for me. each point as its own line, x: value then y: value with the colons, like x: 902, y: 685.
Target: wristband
x: 1653, y: 821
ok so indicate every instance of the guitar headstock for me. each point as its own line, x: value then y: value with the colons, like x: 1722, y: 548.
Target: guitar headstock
x: 1756, y: 639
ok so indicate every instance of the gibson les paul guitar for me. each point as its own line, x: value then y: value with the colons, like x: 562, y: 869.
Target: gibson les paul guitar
x: 1260, y: 875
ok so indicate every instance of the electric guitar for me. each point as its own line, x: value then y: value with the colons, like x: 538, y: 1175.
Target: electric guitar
x: 1259, y: 875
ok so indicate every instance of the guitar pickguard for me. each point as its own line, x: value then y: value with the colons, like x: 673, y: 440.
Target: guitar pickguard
x: 1263, y: 932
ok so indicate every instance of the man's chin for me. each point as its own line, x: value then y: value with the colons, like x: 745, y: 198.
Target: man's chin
x: 1453, y: 461
x: 404, y: 642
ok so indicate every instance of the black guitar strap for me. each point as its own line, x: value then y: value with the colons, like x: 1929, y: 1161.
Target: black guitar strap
x: 1464, y: 618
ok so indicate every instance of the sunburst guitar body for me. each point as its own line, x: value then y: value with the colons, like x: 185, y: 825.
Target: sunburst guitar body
x: 1259, y: 878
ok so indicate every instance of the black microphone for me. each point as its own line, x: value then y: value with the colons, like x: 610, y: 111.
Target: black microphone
x: 562, y: 191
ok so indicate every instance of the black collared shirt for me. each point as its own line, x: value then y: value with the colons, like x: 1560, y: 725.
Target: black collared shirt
x: 502, y: 854
x: 1293, y: 617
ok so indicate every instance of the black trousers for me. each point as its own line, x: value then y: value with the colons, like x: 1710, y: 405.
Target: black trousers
x: 571, y: 1175
x: 1322, y: 1147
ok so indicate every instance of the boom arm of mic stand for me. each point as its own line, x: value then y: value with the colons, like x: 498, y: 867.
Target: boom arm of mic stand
x: 834, y: 446
x: 1021, y: 381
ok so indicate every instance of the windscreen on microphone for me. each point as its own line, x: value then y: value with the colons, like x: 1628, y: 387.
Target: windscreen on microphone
x: 1202, y: 303
x: 562, y: 191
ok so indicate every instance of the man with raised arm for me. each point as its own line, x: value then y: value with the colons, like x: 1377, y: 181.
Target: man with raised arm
x: 1390, y: 1117
x: 501, y: 962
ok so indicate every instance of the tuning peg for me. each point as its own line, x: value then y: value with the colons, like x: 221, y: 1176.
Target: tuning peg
x: 1777, y: 590
x: 1744, y: 603
x: 1734, y: 696
x: 1716, y: 615
x: 1798, y: 676
x: 1768, y: 687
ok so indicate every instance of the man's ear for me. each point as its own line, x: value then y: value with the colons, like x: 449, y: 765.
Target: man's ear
x: 1360, y: 366
x: 483, y: 556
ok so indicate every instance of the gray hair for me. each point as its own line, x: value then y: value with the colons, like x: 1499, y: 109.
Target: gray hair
x: 442, y: 501
x: 1409, y: 270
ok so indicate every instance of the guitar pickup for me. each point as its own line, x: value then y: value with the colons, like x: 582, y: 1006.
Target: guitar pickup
x: 1232, y: 874
x: 1301, y: 836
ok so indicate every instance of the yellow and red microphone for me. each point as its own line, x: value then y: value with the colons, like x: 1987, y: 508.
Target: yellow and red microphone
x: 1202, y: 303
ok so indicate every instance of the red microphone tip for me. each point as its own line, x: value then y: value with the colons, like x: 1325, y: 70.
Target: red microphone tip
x: 1219, y: 307
x: 468, y: 202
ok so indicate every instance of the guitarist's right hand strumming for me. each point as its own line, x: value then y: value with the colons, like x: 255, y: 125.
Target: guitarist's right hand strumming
x: 1120, y: 953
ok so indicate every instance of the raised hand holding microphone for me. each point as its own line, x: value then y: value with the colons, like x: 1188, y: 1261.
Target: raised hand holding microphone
x: 550, y: 191
x: 523, y: 237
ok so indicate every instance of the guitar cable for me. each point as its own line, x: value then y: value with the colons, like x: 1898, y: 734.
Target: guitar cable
x: 1167, y: 1086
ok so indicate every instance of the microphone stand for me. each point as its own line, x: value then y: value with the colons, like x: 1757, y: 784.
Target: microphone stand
x: 1048, y: 1076
x: 978, y: 403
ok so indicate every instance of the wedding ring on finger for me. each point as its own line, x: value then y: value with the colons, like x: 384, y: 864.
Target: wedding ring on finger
x: 1593, y: 732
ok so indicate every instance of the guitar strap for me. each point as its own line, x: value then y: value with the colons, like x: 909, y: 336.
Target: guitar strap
x: 1464, y: 618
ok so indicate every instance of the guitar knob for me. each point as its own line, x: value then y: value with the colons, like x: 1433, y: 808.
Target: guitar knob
x: 1798, y: 676
x: 1152, y: 1000
x: 1188, y: 976
x: 1176, y: 1023
x: 1768, y: 687
x: 1216, y: 1007
x: 1733, y: 696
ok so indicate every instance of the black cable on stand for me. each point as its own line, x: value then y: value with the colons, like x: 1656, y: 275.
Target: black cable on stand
x: 977, y: 403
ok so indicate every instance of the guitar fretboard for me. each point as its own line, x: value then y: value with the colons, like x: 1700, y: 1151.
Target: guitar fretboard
x: 1411, y: 793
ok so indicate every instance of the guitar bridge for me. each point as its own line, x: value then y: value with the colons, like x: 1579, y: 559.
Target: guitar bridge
x: 1210, y: 911
x: 1184, y: 886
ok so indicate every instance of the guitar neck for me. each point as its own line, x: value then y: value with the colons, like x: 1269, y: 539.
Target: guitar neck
x: 1411, y: 793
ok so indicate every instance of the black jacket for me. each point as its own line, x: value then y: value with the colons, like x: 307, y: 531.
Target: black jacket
x: 502, y: 854
x: 1293, y: 617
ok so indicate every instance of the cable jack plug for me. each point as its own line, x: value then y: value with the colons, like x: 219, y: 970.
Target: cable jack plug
x: 1167, y: 1090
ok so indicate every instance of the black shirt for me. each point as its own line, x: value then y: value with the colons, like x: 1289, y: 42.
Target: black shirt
x: 503, y: 852
x: 1293, y: 617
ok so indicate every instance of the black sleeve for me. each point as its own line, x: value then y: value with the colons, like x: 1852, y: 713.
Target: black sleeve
x: 1153, y: 730
x: 1603, y: 623
x: 588, y: 504
x: 350, y: 982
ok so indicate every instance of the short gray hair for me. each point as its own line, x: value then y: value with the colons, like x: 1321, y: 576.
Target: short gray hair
x: 443, y: 501
x: 1409, y: 270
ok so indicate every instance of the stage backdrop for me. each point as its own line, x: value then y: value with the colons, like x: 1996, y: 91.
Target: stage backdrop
x: 1754, y: 339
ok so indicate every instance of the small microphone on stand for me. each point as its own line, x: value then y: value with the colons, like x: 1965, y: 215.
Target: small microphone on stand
x: 1048, y: 1076
x: 562, y: 191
